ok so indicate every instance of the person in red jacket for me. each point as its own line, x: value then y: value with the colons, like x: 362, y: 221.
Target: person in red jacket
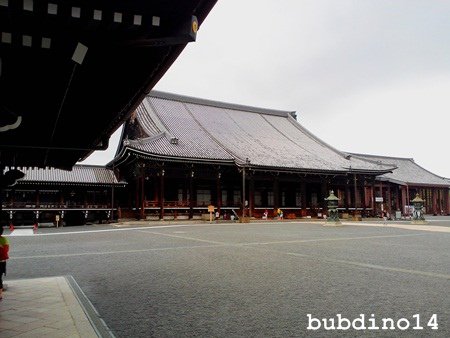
x: 4, y: 250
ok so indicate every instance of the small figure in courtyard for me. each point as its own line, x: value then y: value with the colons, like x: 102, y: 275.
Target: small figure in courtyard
x: 217, y: 215
x: 4, y: 255
x: 280, y: 213
x: 265, y: 214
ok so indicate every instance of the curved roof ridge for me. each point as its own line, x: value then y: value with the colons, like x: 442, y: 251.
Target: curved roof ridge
x: 89, y: 165
x: 145, y: 140
x: 219, y: 104
x: 120, y: 143
x: 382, y: 156
x: 145, y: 154
x: 441, y: 177
x: 150, y: 110
x: 371, y: 159
x: 315, y: 138
x: 146, y: 125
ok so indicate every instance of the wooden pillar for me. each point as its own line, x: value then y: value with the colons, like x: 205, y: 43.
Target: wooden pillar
x: 142, y: 196
x: 397, y: 198
x: 191, y: 194
x: 347, y: 195
x: 404, y: 199
x: 434, y: 197
x: 251, y: 194
x: 276, y: 193
x: 365, y: 201
x: 408, y: 200
x: 219, y: 192
x: 156, y: 190
x: 303, y: 194
x: 185, y: 191
x: 161, y: 191
x: 372, y: 200
x: 243, y: 191
x: 389, y: 199
x: 137, y: 194
x: 446, y: 201
x: 355, y: 187
x: 444, y: 205
x: 367, y: 196
x: 381, y: 195
x: 324, y: 194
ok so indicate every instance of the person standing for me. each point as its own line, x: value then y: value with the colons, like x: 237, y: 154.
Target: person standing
x: 280, y: 213
x: 4, y: 251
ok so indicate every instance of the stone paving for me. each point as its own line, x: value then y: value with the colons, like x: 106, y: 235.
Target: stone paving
x: 41, y: 307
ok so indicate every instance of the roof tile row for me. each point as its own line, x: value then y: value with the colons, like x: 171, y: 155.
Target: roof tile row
x: 407, y: 172
x: 80, y: 174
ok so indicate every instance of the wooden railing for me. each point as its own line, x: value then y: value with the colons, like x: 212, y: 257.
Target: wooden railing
x: 179, y: 204
x: 49, y: 205
x: 167, y: 204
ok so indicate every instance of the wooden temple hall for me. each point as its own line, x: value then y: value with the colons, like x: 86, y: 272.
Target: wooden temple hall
x: 181, y: 154
x: 178, y: 155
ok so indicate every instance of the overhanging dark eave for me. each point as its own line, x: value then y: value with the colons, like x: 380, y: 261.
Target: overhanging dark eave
x: 140, y: 95
x: 69, y: 109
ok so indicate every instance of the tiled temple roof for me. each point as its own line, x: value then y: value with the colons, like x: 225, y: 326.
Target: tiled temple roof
x: 408, y: 172
x: 182, y: 127
x: 79, y: 175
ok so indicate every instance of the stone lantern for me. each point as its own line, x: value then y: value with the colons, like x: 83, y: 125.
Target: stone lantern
x: 332, y: 205
x: 418, y: 217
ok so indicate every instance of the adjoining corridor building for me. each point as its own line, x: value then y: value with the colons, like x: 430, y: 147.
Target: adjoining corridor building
x: 394, y: 190
x: 178, y: 155
x: 82, y: 195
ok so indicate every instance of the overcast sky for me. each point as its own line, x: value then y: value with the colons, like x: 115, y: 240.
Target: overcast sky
x: 366, y: 76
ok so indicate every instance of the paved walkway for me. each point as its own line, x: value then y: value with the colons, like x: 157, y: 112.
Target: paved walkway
x: 48, y: 307
x: 407, y: 226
